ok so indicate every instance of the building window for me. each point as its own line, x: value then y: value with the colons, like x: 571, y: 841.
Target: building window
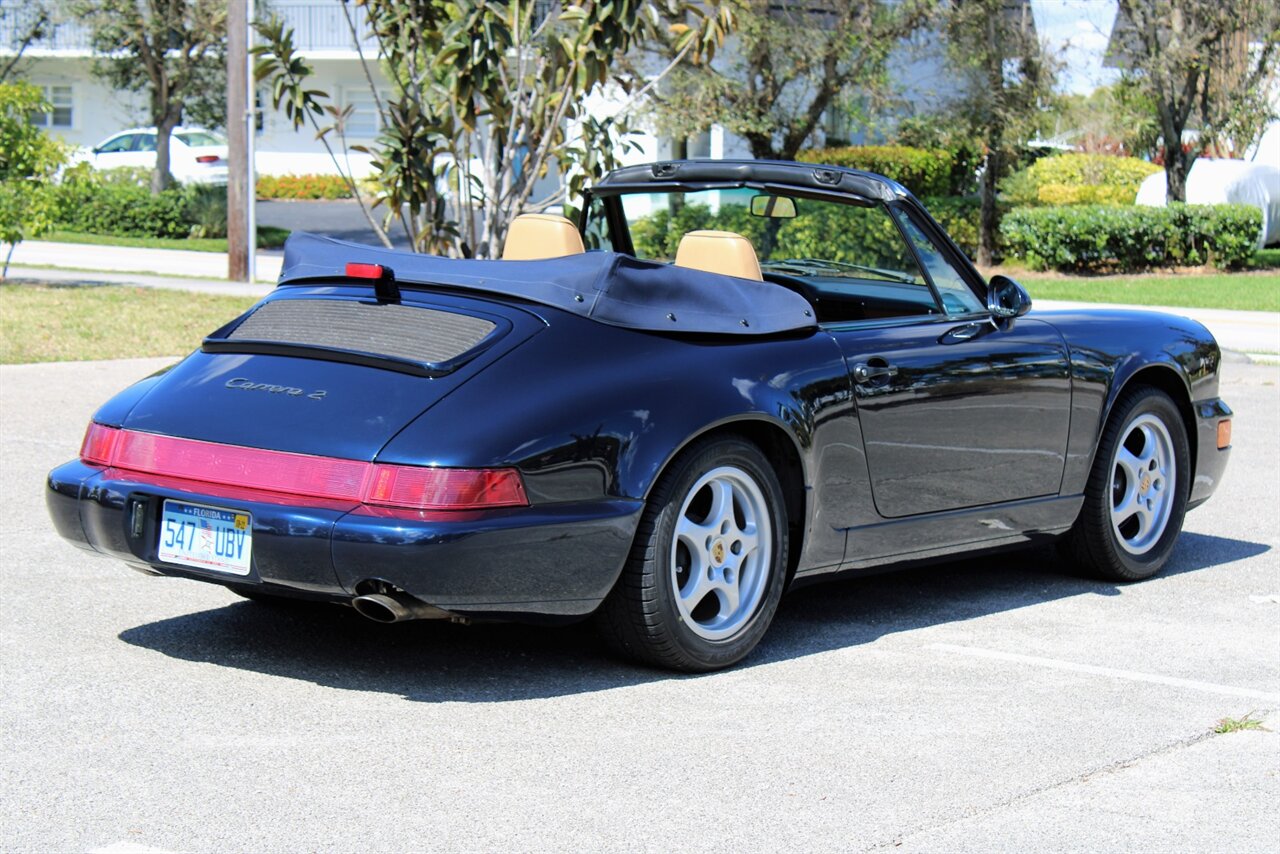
x: 364, y: 121
x: 63, y: 108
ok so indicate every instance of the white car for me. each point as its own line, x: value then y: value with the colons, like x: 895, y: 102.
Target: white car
x: 196, y: 156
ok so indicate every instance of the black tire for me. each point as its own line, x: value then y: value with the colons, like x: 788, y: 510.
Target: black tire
x: 1126, y: 551
x: 654, y: 614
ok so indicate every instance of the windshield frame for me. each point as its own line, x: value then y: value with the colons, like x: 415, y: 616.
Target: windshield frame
x: 618, y: 229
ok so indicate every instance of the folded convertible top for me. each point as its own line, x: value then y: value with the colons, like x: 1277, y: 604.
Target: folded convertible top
x: 605, y: 286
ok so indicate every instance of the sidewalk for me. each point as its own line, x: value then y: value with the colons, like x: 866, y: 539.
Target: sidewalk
x: 1252, y: 332
x: 127, y: 259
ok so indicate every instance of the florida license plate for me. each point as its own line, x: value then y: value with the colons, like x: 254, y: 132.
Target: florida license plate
x: 206, y: 537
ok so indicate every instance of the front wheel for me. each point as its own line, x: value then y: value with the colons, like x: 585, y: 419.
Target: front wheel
x: 708, y: 564
x: 1137, y: 492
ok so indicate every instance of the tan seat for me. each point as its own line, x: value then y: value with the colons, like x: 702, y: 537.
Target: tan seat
x: 534, y: 236
x: 719, y: 252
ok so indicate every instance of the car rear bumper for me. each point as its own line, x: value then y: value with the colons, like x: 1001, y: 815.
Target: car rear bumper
x: 553, y: 560
x: 1211, y: 460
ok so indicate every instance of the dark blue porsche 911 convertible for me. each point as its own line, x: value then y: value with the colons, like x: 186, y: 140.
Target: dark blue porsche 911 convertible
x: 728, y: 379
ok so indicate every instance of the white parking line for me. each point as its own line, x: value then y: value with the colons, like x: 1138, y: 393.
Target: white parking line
x: 1132, y: 675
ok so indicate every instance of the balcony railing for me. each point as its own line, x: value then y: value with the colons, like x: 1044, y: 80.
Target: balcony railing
x: 18, y: 19
x: 317, y: 26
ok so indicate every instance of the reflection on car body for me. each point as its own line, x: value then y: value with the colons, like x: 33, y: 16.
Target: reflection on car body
x: 758, y: 375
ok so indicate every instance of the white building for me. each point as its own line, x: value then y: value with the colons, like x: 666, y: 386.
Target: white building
x: 87, y: 110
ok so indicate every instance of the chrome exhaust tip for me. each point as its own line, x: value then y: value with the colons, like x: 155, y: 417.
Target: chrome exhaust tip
x: 396, y: 608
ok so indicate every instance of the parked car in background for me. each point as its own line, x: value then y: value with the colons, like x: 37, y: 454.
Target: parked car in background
x: 196, y: 156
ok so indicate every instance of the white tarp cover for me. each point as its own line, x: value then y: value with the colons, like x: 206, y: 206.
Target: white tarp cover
x: 1220, y: 182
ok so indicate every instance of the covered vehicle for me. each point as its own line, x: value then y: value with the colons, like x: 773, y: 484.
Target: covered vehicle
x: 757, y: 375
x: 1225, y: 182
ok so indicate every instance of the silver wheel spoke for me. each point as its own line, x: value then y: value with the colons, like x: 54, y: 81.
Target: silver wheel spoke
x: 721, y: 505
x: 1121, y: 513
x: 1131, y: 465
x: 696, y: 588
x: 730, y: 596
x: 694, y: 535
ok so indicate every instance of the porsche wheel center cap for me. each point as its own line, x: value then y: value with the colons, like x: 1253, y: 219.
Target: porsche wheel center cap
x: 717, y: 552
x: 1146, y: 483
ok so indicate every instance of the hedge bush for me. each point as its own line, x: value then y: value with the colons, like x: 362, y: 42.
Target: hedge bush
x: 1126, y: 239
x: 1078, y: 179
x: 302, y: 187
x: 123, y: 210
x: 925, y: 172
x: 820, y: 231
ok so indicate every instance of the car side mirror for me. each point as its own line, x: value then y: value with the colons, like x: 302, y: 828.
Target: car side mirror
x: 1006, y: 299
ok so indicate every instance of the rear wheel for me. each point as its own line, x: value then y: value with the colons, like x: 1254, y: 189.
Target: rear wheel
x: 707, y: 568
x: 1137, y: 492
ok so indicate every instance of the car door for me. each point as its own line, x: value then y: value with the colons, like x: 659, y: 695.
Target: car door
x: 956, y: 410
x: 143, y: 153
x: 115, y: 152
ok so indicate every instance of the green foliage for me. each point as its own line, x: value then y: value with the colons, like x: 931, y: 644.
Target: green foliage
x: 940, y: 131
x: 122, y: 210
x: 26, y: 151
x: 923, y: 172
x: 124, y: 176
x: 488, y: 98
x: 206, y: 210
x: 832, y: 232
x: 959, y: 217
x: 1203, y: 64
x: 1006, y: 77
x: 1118, y: 119
x: 29, y: 158
x: 302, y: 187
x: 1124, y: 239
x: 1248, y: 722
x: 1078, y: 179
x: 793, y: 63
x: 106, y: 204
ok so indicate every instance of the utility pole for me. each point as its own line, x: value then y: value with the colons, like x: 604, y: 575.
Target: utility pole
x: 239, y: 192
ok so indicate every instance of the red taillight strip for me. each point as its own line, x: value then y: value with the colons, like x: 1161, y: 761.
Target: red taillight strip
x: 328, y: 478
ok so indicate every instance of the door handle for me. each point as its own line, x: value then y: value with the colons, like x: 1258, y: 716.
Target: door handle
x: 864, y: 373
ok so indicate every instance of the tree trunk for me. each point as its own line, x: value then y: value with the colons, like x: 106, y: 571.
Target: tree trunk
x: 1177, y: 164
x: 762, y: 146
x: 160, y: 179
x: 989, y: 222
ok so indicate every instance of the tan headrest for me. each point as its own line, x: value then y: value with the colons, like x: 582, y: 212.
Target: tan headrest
x: 533, y: 236
x: 719, y: 252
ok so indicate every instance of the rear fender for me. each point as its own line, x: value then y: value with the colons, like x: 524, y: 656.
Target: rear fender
x: 591, y: 412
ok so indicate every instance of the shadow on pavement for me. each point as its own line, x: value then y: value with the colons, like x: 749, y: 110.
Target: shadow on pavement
x: 439, y: 662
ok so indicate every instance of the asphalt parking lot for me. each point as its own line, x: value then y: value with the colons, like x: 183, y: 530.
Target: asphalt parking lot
x: 995, y: 704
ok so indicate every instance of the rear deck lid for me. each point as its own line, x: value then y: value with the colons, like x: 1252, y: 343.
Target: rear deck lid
x: 327, y: 371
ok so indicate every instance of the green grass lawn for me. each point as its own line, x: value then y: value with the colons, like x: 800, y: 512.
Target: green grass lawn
x: 268, y: 238
x: 40, y: 323
x: 1247, y: 291
x: 1267, y: 259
